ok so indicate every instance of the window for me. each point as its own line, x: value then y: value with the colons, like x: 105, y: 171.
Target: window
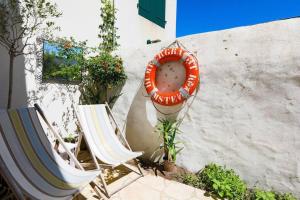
x: 153, y: 10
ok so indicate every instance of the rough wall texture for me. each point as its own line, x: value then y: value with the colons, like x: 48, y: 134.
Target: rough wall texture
x: 247, y: 113
x: 28, y: 86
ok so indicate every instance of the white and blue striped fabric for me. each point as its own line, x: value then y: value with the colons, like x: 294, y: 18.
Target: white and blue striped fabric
x: 100, y: 135
x: 30, y: 162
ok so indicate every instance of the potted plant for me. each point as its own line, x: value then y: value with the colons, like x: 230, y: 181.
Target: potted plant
x: 168, y: 130
x: 104, y: 74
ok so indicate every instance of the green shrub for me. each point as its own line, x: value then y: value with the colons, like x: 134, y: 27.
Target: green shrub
x: 226, y: 184
x: 106, y: 69
x: 259, y: 194
x: 263, y: 195
x: 285, y: 196
x: 191, y: 179
x: 222, y: 182
x: 103, y: 73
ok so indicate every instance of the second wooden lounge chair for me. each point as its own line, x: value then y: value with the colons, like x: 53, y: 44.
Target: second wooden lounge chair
x: 103, y: 142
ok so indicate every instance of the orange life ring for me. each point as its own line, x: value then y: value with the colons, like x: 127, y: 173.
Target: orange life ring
x: 191, y: 81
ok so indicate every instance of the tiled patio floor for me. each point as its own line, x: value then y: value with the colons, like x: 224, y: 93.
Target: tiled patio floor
x: 149, y: 187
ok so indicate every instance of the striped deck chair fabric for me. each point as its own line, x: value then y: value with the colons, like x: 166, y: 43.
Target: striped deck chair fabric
x: 100, y: 135
x: 30, y: 161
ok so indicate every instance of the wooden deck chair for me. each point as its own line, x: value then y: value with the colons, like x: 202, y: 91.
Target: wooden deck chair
x: 103, y: 142
x: 30, y: 165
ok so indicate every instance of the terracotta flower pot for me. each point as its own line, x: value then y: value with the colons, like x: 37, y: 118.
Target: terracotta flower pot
x: 170, y: 166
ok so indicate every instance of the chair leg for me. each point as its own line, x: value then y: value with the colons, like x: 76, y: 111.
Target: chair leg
x: 104, y: 185
x: 133, y: 169
x: 124, y: 186
x: 78, y: 144
x: 95, y: 188
x: 108, y: 193
x: 138, y: 166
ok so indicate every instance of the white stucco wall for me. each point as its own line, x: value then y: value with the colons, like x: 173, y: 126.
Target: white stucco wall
x: 247, y: 113
x: 135, y: 30
x: 79, y: 20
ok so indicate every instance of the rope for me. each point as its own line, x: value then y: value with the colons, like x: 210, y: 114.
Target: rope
x: 180, y: 45
x: 186, y: 104
x: 189, y: 106
x: 168, y: 113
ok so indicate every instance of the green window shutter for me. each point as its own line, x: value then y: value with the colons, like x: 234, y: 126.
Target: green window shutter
x: 153, y: 10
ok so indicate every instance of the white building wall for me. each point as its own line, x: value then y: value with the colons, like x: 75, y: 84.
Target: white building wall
x: 80, y: 20
x: 247, y: 113
x: 135, y: 30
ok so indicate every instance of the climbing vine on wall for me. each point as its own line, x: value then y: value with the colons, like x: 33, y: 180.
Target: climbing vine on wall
x: 108, y: 30
x: 104, y: 73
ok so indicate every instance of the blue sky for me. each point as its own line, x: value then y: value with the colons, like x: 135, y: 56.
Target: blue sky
x: 198, y: 16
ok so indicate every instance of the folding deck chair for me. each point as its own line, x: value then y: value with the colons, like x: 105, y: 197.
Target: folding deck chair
x: 30, y: 165
x: 103, y: 142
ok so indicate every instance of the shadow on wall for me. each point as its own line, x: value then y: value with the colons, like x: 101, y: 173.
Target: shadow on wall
x: 141, y: 124
x: 19, y: 95
x: 140, y: 127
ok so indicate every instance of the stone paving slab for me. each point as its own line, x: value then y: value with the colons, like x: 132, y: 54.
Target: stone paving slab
x: 150, y: 187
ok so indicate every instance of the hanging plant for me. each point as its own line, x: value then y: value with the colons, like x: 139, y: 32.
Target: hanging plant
x: 104, y: 73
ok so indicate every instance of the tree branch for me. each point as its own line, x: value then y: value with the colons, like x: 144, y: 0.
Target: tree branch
x: 4, y: 45
x: 21, y: 53
x: 5, y: 42
x: 23, y: 30
x: 29, y: 36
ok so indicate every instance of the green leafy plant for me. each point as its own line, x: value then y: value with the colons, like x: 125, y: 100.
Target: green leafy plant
x: 259, y: 194
x: 168, y: 130
x: 103, y: 73
x: 285, y: 196
x: 264, y: 195
x: 71, y: 138
x: 108, y: 30
x: 222, y: 182
x: 106, y: 69
x: 226, y: 184
x: 20, y: 21
x: 191, y: 179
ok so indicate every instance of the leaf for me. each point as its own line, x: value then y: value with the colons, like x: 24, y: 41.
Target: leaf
x: 179, y: 150
x: 215, y: 186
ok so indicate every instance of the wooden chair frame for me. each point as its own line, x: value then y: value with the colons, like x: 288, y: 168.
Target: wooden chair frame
x: 70, y: 154
x: 98, y: 165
